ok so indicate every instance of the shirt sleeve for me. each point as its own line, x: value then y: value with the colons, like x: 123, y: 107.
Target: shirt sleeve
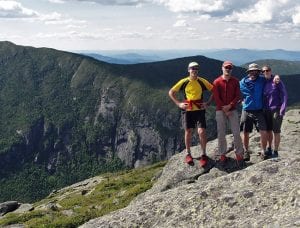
x: 207, y: 84
x: 243, y: 88
x: 284, y: 98
x: 178, y: 85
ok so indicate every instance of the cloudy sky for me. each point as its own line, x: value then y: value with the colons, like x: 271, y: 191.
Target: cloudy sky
x: 151, y: 24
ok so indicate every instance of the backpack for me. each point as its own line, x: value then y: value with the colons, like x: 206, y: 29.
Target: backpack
x: 199, y: 80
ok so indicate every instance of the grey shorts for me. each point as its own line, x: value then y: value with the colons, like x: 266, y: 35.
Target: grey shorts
x: 193, y: 119
x: 273, y: 120
x: 253, y: 117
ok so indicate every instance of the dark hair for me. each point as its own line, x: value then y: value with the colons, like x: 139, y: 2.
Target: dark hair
x: 266, y: 66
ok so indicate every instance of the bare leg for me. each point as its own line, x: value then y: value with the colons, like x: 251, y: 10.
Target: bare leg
x: 246, y: 140
x: 276, y: 141
x: 269, y: 138
x: 203, y: 139
x: 263, y: 140
x: 187, y: 139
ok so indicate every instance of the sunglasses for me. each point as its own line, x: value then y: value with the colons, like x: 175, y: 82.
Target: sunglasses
x: 194, y: 68
x: 228, y: 67
x: 265, y: 71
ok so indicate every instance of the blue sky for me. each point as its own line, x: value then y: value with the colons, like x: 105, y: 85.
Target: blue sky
x: 151, y: 24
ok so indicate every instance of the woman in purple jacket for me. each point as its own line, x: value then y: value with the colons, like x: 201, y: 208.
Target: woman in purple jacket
x: 275, y: 102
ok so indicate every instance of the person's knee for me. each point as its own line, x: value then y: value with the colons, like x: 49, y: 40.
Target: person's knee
x: 188, y: 131
x: 201, y: 132
x: 263, y: 133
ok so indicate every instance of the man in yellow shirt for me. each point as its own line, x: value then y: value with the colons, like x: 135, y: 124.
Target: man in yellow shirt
x: 193, y: 114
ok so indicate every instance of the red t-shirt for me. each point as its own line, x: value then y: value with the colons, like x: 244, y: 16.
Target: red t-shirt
x: 226, y: 92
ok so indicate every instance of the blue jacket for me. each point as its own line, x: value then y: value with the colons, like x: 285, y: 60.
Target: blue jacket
x: 252, y: 93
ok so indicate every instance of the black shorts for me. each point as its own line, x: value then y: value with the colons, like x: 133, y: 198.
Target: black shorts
x: 273, y: 120
x: 253, y: 117
x: 193, y: 119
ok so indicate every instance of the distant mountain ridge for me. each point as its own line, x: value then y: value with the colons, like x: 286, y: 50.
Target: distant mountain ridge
x: 237, y: 56
x: 281, y: 67
x: 108, y: 59
x: 242, y: 56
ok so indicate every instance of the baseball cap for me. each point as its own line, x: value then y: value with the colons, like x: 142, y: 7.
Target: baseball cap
x: 227, y: 63
x: 193, y: 64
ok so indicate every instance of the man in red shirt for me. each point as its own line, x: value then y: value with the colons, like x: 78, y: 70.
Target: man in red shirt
x: 226, y: 93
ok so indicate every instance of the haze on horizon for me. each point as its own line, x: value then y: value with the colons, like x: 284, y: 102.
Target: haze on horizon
x: 151, y: 24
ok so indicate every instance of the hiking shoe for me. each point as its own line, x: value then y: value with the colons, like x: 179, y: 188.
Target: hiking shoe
x: 203, y: 160
x: 246, y: 156
x: 240, y: 161
x: 275, y: 154
x: 265, y: 155
x: 268, y: 152
x: 189, y: 159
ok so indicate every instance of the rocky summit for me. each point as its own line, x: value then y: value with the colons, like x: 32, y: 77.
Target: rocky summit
x: 262, y: 194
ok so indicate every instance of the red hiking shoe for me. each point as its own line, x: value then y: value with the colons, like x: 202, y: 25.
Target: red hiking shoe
x: 203, y: 160
x: 189, y: 159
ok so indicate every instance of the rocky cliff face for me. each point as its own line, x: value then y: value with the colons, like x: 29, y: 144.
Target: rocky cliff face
x: 265, y: 193
x: 55, y: 105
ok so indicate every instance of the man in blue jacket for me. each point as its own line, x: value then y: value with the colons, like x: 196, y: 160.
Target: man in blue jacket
x: 252, y: 87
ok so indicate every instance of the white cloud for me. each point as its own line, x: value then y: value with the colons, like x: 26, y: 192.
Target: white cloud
x: 116, y: 2
x: 72, y: 26
x: 105, y: 34
x: 58, y: 19
x: 50, y: 17
x: 296, y: 16
x: 69, y: 35
x: 203, y: 17
x: 192, y: 5
x: 181, y: 23
x: 182, y: 16
x: 261, y: 12
x: 250, y: 11
x: 13, y: 9
x: 57, y: 1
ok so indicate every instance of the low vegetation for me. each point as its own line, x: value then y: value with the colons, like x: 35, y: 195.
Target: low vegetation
x: 115, y: 191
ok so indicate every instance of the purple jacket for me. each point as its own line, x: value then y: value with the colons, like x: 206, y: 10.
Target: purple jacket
x: 275, y: 96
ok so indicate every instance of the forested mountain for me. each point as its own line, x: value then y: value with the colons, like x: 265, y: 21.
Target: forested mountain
x: 65, y: 117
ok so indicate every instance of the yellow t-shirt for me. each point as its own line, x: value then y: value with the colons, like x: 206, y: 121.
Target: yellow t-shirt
x: 193, y: 89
